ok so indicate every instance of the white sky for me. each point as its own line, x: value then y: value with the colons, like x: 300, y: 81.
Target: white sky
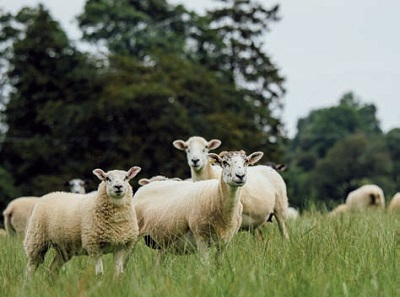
x: 324, y: 48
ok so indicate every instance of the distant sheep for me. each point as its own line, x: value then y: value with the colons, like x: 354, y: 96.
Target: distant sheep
x: 146, y: 181
x: 77, y: 185
x: 263, y: 196
x: 361, y: 199
x: 184, y: 217
x: 292, y: 213
x: 17, y: 213
x: 394, y: 204
x: 93, y: 224
x: 18, y: 210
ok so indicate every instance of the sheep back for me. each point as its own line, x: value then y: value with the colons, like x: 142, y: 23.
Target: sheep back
x: 364, y: 197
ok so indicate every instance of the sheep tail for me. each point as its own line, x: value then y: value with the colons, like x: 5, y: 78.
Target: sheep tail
x: 7, y: 222
x: 372, y: 199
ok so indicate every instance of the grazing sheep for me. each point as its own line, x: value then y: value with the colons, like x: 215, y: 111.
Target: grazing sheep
x: 263, y: 196
x: 93, y: 224
x: 77, y: 185
x: 146, y: 181
x: 17, y: 213
x: 363, y: 198
x: 185, y: 217
x: 394, y: 204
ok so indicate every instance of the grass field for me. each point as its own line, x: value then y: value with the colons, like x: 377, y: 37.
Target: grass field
x: 352, y: 255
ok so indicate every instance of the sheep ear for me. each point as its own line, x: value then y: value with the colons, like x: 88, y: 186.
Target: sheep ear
x: 179, y: 144
x: 280, y: 167
x: 214, y: 159
x: 100, y: 174
x: 254, y: 157
x: 144, y: 181
x: 133, y: 171
x: 213, y: 144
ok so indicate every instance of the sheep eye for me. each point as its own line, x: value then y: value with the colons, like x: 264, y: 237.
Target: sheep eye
x: 126, y: 177
x: 108, y: 179
x: 225, y: 163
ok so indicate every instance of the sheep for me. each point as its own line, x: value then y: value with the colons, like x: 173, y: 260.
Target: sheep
x: 363, y: 198
x: 394, y: 204
x: 292, y: 213
x: 145, y: 181
x: 18, y: 210
x: 185, y: 217
x: 77, y: 185
x: 263, y: 196
x: 17, y: 213
x: 85, y: 224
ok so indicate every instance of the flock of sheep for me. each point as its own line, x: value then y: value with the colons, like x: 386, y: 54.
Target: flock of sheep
x: 224, y: 195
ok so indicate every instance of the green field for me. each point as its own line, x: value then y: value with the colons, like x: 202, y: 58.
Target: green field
x: 351, y: 255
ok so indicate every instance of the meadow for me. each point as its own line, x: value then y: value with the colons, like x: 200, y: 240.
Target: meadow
x: 348, y: 255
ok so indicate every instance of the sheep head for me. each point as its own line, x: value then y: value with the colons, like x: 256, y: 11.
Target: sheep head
x: 234, y: 165
x: 117, y: 181
x: 196, y: 149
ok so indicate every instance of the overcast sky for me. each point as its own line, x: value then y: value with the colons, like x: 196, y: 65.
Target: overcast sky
x: 324, y: 48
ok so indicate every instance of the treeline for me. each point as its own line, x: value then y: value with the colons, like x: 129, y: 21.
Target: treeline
x: 161, y: 72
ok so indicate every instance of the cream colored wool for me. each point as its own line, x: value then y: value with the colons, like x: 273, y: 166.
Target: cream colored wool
x: 17, y: 213
x: 394, y: 204
x: 145, y: 181
x: 85, y: 224
x: 184, y: 217
x: 263, y: 195
x: 366, y: 197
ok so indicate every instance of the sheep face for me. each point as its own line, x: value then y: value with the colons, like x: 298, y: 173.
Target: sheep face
x: 117, y: 181
x: 197, y: 149
x: 77, y: 186
x: 234, y: 165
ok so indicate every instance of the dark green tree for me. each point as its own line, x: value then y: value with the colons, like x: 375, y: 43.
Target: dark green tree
x: 50, y: 83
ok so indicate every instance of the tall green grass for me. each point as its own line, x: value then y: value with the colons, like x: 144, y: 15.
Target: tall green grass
x: 350, y: 255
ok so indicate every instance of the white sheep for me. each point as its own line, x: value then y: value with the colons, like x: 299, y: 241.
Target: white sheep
x: 146, y: 181
x: 18, y: 210
x: 79, y: 224
x: 77, y: 185
x: 394, y: 204
x: 17, y: 213
x: 184, y: 217
x: 263, y: 196
x: 363, y: 198
x: 292, y: 213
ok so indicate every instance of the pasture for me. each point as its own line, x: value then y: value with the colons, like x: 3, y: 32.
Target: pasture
x: 348, y: 255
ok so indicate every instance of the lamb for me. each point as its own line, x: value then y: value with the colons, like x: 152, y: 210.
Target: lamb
x: 146, y: 181
x: 394, y: 204
x: 263, y: 196
x: 185, y: 217
x: 85, y: 224
x: 363, y: 198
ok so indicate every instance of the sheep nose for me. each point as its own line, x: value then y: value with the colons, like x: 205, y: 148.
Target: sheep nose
x: 195, y: 161
x: 118, y: 187
x: 240, y: 176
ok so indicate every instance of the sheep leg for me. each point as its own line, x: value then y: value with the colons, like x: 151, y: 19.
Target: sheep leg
x: 202, y: 247
x: 282, y: 225
x: 219, y: 254
x: 35, y: 257
x: 98, y: 264
x: 120, y: 259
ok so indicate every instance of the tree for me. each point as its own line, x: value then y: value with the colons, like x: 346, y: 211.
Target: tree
x: 51, y: 82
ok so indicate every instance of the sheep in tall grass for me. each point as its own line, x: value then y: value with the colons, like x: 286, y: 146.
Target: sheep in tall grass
x: 17, y: 213
x: 363, y: 198
x: 184, y: 217
x: 394, y: 204
x: 85, y: 224
x: 263, y: 196
x: 18, y: 210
